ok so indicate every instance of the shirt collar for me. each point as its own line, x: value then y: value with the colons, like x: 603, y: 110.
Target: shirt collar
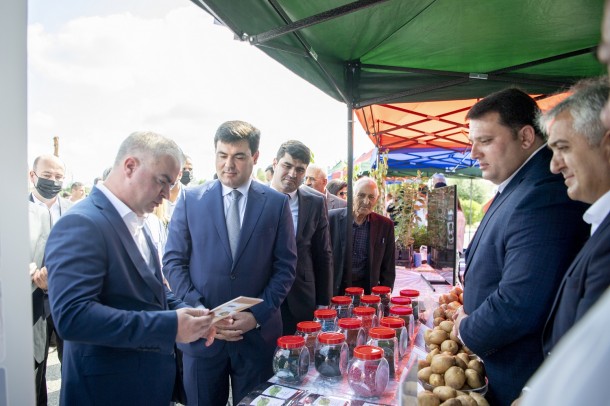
x: 243, y: 188
x: 503, y: 185
x: 131, y: 219
x: 292, y: 195
x: 40, y: 202
x: 598, y: 211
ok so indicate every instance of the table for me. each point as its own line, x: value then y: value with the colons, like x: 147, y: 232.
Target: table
x: 339, y: 392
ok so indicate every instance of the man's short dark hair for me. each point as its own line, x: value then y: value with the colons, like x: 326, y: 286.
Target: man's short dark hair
x: 296, y: 149
x: 232, y: 132
x: 515, y: 107
x: 76, y: 185
x: 335, y: 185
x: 269, y: 168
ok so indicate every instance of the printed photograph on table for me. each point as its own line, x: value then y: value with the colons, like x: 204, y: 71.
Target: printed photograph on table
x: 236, y: 305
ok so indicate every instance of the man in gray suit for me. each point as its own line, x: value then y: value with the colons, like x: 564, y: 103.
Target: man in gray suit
x: 312, y: 286
x: 315, y: 177
x: 47, y: 175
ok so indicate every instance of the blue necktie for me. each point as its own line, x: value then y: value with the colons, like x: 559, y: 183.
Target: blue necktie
x: 233, y: 223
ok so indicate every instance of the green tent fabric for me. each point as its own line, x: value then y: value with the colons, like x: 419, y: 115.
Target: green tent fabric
x: 388, y: 51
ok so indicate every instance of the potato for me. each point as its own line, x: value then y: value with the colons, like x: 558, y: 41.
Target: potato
x: 480, y: 399
x: 421, y: 364
x: 455, y: 377
x: 438, y: 312
x: 436, y: 380
x: 453, y: 305
x: 424, y: 374
x: 427, y: 398
x: 455, y: 338
x: 477, y: 365
x: 459, y: 393
x: 450, y: 346
x: 464, y: 358
x: 427, y: 336
x: 457, y: 290
x: 449, y: 314
x: 466, y: 400
x: 446, y: 325
x: 473, y: 378
x: 451, y: 297
x: 461, y: 298
x: 444, y: 392
x: 437, y: 321
x: 431, y: 354
x: 438, y: 336
x: 433, y: 347
x: 442, y: 363
x: 466, y: 349
x: 460, y: 362
x: 451, y: 402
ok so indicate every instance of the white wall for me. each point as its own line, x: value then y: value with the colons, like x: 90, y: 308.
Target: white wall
x: 16, y: 353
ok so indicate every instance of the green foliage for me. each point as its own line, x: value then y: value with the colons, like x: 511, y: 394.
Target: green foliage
x: 420, y: 237
x: 408, y: 201
x: 473, y: 207
x: 379, y: 174
x: 479, y: 189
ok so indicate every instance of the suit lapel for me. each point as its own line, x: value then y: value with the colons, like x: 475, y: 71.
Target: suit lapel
x: 254, y: 208
x: 160, y: 294
x: 304, y: 212
x: 108, y: 211
x: 373, y: 233
x: 215, y: 201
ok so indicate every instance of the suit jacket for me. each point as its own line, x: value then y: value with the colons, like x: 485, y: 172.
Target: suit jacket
x: 199, y: 266
x: 514, y: 265
x: 584, y: 283
x: 382, y: 269
x: 313, y: 284
x: 110, y: 307
x: 40, y: 226
x: 334, y: 202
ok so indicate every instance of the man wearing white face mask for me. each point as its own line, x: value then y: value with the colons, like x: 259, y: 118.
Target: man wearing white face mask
x: 47, y: 176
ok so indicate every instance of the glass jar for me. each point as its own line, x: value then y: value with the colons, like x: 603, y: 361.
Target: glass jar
x: 402, y: 335
x: 400, y: 301
x: 384, y: 294
x: 343, y: 306
x: 406, y: 314
x: 327, y: 319
x: 291, y: 359
x: 367, y: 316
x: 331, y: 355
x: 309, y: 330
x: 372, y: 301
x: 414, y: 296
x: 385, y: 338
x: 368, y: 372
x: 354, y: 334
x: 355, y: 293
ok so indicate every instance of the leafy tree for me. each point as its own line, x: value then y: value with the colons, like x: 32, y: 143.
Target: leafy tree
x: 478, y: 189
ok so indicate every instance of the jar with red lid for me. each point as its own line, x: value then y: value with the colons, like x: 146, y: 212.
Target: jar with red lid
x: 385, y: 338
x: 368, y: 373
x: 327, y: 319
x: 414, y: 296
x: 355, y: 293
x: 331, y: 355
x: 309, y: 330
x: 405, y: 313
x: 343, y: 306
x: 402, y: 336
x: 354, y: 334
x: 400, y: 301
x: 384, y: 293
x: 372, y: 301
x: 367, y: 316
x: 291, y: 359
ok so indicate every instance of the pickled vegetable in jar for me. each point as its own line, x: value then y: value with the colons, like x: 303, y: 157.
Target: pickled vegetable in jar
x: 414, y: 296
x: 402, y: 336
x: 385, y: 338
x: 384, y: 293
x: 355, y: 293
x: 327, y: 319
x: 368, y: 372
x: 331, y: 355
x: 343, y: 306
x: 367, y: 316
x: 372, y: 301
x: 291, y: 359
x: 405, y: 313
x: 309, y: 330
x: 354, y: 334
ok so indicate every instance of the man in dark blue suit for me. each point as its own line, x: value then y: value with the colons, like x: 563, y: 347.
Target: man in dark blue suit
x: 106, y: 288
x: 581, y: 153
x: 313, y: 285
x: 522, y: 247
x: 227, y: 238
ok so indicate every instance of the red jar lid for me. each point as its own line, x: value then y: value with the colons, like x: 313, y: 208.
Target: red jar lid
x: 381, y: 333
x: 350, y: 323
x: 354, y: 291
x: 325, y: 314
x: 401, y: 310
x: 409, y: 293
x: 309, y: 326
x: 401, y: 300
x: 371, y: 299
x: 363, y: 311
x: 381, y: 290
x: 392, y: 322
x: 289, y: 342
x: 331, y: 338
x: 368, y: 352
x: 341, y: 300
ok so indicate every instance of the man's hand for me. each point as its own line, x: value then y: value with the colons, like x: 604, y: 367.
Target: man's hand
x: 232, y: 328
x: 39, y: 276
x: 194, y: 324
x: 457, y: 319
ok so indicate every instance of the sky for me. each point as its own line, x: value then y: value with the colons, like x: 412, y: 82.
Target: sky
x: 100, y: 70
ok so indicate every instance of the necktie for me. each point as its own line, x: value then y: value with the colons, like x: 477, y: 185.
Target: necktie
x: 233, y: 223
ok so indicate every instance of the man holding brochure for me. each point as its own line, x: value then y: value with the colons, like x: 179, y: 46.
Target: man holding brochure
x: 232, y: 237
